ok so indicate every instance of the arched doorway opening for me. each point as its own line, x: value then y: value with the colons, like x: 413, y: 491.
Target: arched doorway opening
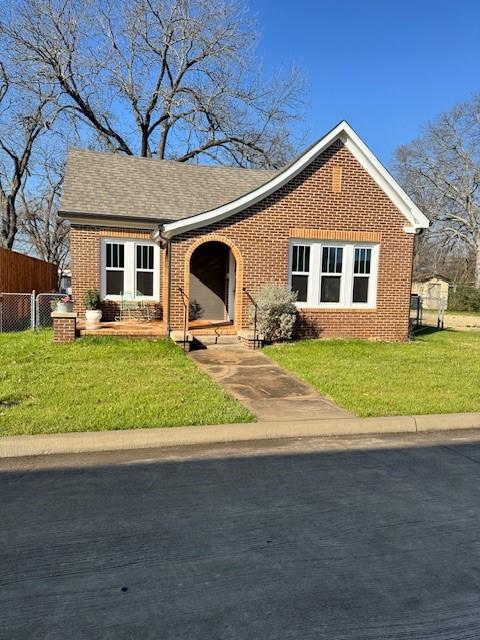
x: 212, y: 284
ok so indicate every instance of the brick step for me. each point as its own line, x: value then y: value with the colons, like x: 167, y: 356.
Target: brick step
x: 222, y: 331
x: 121, y: 334
x: 210, y: 339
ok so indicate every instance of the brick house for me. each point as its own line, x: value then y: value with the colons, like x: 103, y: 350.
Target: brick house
x: 333, y: 225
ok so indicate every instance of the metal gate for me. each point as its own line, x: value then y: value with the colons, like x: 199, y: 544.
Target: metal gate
x: 43, y: 308
x: 22, y: 311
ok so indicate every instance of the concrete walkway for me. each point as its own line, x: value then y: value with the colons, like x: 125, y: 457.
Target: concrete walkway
x: 262, y: 386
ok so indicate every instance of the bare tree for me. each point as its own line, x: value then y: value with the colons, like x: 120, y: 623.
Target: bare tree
x: 441, y: 171
x: 41, y: 228
x: 24, y: 116
x: 173, y: 79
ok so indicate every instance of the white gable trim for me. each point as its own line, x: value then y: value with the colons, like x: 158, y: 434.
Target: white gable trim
x: 344, y: 132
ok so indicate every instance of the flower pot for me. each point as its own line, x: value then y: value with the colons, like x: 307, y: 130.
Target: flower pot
x: 65, y: 307
x: 93, y: 316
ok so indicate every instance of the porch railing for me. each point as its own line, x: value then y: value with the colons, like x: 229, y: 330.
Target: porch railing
x: 186, y: 309
x: 255, y: 313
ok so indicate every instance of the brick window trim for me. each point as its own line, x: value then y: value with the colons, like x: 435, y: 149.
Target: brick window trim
x: 335, y: 234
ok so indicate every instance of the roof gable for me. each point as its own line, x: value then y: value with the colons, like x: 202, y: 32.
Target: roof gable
x: 414, y: 217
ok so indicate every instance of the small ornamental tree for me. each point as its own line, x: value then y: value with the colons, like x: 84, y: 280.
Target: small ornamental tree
x: 92, y: 299
x: 276, y: 312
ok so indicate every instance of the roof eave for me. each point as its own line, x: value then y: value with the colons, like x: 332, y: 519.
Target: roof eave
x: 109, y: 219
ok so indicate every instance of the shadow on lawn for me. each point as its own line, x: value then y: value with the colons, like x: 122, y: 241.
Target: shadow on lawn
x: 427, y: 330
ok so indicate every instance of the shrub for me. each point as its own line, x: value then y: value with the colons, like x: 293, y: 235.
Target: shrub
x: 91, y: 299
x: 276, y: 312
x: 464, y: 299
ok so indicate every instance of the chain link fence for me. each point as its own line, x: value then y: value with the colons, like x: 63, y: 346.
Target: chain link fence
x: 16, y: 312
x: 22, y: 311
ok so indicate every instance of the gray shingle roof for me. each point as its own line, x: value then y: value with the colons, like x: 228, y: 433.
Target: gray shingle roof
x: 109, y: 184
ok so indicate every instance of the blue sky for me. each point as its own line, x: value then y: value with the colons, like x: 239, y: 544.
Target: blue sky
x: 386, y: 67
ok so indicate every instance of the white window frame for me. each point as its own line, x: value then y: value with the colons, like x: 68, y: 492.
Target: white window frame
x: 130, y: 269
x: 143, y: 270
x: 346, y: 282
x: 301, y: 273
x: 341, y: 274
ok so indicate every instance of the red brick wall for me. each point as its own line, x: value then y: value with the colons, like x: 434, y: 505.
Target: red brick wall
x: 261, y: 236
x: 85, y: 248
x: 64, y: 329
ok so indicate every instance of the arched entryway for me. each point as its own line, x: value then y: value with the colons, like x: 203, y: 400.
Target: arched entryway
x: 213, y: 276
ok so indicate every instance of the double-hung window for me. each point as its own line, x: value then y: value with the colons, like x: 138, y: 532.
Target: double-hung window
x: 333, y: 274
x: 361, y: 274
x: 144, y: 270
x: 130, y: 268
x: 300, y: 271
x: 114, y: 268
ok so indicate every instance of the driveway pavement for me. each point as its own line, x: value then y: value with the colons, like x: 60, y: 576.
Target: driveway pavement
x: 371, y: 539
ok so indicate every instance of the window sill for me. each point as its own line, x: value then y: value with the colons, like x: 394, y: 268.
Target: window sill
x: 317, y: 308
x: 120, y: 299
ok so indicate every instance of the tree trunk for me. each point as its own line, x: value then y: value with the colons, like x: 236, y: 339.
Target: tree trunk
x: 477, y: 262
x: 9, y: 224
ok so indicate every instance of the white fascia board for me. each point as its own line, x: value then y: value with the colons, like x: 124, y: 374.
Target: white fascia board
x: 383, y: 178
x: 342, y: 131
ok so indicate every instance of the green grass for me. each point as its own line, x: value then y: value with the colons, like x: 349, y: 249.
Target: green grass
x: 100, y: 384
x: 438, y: 372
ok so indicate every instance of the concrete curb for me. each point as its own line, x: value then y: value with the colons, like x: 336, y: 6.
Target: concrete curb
x: 85, y: 442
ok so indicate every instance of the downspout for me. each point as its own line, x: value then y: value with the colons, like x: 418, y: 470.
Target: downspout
x: 417, y: 232
x: 165, y: 243
x: 169, y: 287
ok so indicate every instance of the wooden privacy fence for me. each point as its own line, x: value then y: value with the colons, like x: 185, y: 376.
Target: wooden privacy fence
x: 23, y: 274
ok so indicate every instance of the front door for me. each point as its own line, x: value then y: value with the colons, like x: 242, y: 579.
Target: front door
x: 232, y: 280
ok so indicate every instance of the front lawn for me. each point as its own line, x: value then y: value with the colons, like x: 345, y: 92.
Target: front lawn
x: 438, y: 372
x: 104, y: 383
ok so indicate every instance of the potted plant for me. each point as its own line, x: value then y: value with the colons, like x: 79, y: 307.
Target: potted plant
x: 63, y: 304
x: 93, y: 313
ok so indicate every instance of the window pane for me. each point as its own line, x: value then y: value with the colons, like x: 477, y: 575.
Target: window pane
x: 332, y: 258
x: 144, y: 283
x: 325, y: 259
x: 368, y: 259
x: 300, y: 285
x: 139, y: 256
x: 295, y: 258
x: 363, y: 258
x: 356, y: 265
x: 339, y: 260
x: 330, y: 290
x: 301, y: 258
x: 114, y: 283
x: 360, y: 289
x: 306, y: 263
x: 144, y: 258
x: 115, y: 255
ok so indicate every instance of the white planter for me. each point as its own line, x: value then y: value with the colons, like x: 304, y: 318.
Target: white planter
x: 93, y: 317
x: 65, y: 307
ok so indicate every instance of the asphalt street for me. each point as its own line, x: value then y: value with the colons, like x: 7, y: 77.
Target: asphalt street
x: 365, y: 538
